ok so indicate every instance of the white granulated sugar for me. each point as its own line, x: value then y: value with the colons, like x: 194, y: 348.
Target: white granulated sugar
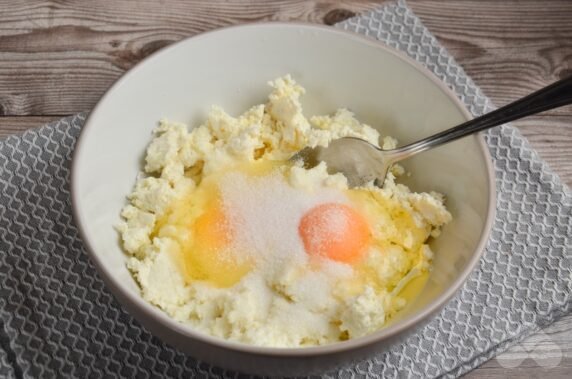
x: 331, y: 226
x: 337, y: 220
x: 265, y: 213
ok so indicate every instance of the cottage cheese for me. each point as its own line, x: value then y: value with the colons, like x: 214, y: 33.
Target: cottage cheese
x: 301, y: 301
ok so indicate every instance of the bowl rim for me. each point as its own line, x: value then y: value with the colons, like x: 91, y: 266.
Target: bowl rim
x: 312, y: 351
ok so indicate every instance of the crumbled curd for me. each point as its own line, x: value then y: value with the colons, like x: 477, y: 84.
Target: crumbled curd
x: 214, y: 236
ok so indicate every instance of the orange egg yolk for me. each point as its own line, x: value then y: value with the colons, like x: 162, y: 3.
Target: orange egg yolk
x: 213, y: 230
x: 335, y: 231
x: 211, y: 257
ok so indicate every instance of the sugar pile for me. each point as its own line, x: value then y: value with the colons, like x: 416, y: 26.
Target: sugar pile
x: 265, y: 212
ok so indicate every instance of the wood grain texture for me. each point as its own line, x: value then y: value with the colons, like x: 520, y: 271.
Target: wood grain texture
x: 58, y: 57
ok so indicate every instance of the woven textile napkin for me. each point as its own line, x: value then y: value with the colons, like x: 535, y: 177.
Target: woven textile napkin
x: 57, y: 318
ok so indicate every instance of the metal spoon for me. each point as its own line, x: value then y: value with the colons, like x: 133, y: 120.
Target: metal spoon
x: 362, y: 162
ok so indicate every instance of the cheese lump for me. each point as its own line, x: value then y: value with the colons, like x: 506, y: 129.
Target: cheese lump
x: 224, y: 234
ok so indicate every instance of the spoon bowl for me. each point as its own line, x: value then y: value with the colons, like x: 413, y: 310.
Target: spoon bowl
x: 357, y: 159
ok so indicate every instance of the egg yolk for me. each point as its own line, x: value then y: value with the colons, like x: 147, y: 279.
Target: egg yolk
x: 211, y: 257
x: 213, y: 230
x: 335, y: 231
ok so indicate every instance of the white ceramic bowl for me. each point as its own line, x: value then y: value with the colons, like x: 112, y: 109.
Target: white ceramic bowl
x: 231, y: 67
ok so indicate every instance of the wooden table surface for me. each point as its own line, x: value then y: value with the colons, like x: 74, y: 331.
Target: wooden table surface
x: 58, y: 57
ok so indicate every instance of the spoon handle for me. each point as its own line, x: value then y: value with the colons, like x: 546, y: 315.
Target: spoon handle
x: 552, y: 96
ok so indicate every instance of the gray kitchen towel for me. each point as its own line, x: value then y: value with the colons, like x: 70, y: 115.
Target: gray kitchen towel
x: 58, y: 319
